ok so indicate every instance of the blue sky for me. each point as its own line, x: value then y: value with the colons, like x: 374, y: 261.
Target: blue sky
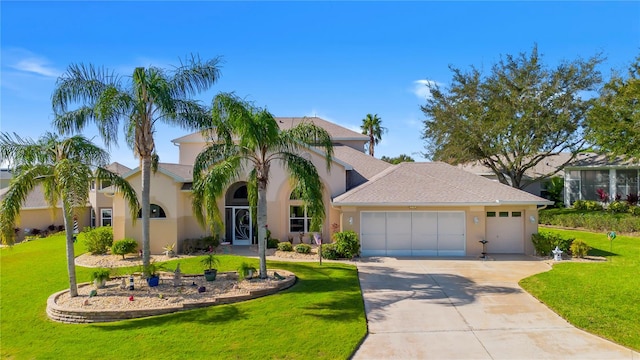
x: 336, y: 60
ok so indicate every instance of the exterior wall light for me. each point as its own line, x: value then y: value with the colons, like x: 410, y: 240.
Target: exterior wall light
x: 476, y: 220
x: 350, y: 220
x: 532, y: 219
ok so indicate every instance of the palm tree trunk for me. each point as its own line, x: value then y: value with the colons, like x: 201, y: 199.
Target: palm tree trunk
x: 372, y: 143
x: 262, y: 227
x: 71, y: 258
x: 146, y: 208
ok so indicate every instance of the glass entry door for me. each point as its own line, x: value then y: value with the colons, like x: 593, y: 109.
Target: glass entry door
x: 241, y: 222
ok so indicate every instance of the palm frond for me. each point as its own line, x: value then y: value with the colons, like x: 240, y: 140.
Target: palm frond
x: 306, y: 182
x: 122, y: 186
x: 194, y: 75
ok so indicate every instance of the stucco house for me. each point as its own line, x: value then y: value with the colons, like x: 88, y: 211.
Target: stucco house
x: 410, y: 209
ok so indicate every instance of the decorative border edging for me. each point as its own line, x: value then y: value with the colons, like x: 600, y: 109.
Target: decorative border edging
x: 81, y: 316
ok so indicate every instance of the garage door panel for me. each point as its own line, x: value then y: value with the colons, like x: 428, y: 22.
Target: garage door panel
x: 399, y: 233
x: 418, y: 233
x: 373, y: 234
x: 505, y: 235
x: 424, y: 237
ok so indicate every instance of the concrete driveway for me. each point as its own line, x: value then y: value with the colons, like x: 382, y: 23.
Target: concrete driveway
x: 466, y: 309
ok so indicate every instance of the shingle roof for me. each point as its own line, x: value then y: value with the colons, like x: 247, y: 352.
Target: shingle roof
x: 336, y: 131
x: 598, y: 160
x: 118, y: 168
x: 364, y: 166
x: 180, y: 173
x: 35, y: 199
x: 544, y: 167
x: 432, y: 184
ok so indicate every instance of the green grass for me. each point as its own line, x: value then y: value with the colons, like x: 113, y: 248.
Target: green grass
x: 600, y: 297
x: 321, y: 317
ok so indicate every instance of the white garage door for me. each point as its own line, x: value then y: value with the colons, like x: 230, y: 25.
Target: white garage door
x: 505, y: 232
x: 415, y: 233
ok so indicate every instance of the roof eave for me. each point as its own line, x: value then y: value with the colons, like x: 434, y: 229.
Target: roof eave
x: 450, y: 204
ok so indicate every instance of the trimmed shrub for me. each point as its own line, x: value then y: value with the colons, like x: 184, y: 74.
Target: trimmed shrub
x: 303, y: 248
x: 543, y: 243
x: 329, y: 252
x: 211, y: 241
x: 587, y: 205
x: 634, y: 210
x: 124, y: 246
x: 285, y: 246
x: 347, y: 244
x: 272, y: 243
x: 98, y: 240
x: 579, y: 248
x: 619, y: 207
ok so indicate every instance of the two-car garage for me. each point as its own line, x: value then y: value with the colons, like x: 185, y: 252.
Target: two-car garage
x: 413, y: 233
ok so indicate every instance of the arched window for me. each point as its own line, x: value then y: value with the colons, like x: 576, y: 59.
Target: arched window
x: 156, y: 212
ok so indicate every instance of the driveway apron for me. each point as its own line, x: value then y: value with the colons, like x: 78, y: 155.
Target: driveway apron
x: 433, y: 308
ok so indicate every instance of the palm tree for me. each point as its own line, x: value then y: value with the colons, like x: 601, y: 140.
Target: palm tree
x: 151, y: 95
x: 248, y: 138
x: 65, y: 169
x: 372, y: 127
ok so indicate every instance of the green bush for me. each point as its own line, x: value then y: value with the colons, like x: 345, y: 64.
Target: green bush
x: 98, y: 240
x: 272, y: 243
x: 347, y: 244
x: 285, y: 246
x: 329, y: 252
x: 619, y: 207
x: 545, y: 242
x: 211, y: 241
x: 634, y: 210
x: 592, y: 220
x: 579, y: 248
x: 303, y: 248
x: 587, y: 205
x: 124, y: 246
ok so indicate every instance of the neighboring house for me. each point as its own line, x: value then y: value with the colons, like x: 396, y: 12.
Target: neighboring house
x: 410, y: 209
x: 544, y: 167
x: 37, y: 214
x: 590, y: 172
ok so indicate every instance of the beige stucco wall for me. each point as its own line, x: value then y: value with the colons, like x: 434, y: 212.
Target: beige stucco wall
x: 189, y: 152
x: 165, y: 192
x: 42, y: 218
x: 350, y: 220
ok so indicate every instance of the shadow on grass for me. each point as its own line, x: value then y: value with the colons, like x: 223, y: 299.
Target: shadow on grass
x: 208, y: 316
x: 601, y: 252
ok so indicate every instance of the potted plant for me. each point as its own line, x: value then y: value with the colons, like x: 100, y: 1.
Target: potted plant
x: 246, y: 271
x: 210, y: 261
x: 100, y: 277
x: 168, y: 250
x: 151, y: 274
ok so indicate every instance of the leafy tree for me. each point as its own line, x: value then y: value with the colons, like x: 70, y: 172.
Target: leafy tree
x: 398, y: 159
x: 65, y: 169
x: 151, y: 95
x: 555, y: 188
x: 372, y: 127
x: 247, y: 137
x: 513, y: 118
x: 613, y: 124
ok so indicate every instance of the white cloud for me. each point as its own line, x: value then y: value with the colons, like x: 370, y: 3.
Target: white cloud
x: 36, y: 65
x: 421, y: 90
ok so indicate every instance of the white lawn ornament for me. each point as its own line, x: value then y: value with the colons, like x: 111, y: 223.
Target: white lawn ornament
x: 557, y: 254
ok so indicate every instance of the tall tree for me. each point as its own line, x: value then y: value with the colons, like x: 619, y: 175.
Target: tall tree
x: 372, y: 127
x: 151, y: 95
x: 65, y: 169
x: 245, y: 137
x: 398, y: 159
x: 613, y: 124
x: 512, y: 119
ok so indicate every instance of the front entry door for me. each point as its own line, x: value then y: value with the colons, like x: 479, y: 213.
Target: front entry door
x: 242, y: 230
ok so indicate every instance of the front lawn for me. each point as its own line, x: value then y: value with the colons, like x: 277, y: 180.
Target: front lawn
x: 321, y: 317
x: 600, y: 297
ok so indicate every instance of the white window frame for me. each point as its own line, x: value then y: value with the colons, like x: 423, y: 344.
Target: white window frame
x: 306, y: 219
x: 103, y: 212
